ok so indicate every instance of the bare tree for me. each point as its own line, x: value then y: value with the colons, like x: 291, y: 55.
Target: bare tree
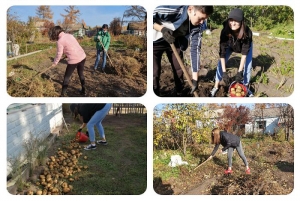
x: 287, y: 118
x: 134, y: 12
x: 71, y: 18
x: 44, y: 13
x: 115, y: 26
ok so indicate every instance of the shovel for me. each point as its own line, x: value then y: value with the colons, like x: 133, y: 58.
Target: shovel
x: 106, y: 53
x: 183, y: 68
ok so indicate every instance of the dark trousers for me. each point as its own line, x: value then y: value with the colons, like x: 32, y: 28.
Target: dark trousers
x: 69, y: 70
x: 158, y: 50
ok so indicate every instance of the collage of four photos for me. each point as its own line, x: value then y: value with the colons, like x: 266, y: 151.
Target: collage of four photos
x: 87, y: 55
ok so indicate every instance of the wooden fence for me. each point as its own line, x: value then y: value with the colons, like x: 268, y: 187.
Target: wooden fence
x: 127, y: 108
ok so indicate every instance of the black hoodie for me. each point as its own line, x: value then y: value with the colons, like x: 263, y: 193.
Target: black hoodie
x: 88, y: 110
x: 236, y: 45
x: 227, y: 140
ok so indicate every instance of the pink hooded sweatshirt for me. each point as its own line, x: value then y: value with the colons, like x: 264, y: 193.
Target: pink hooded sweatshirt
x: 68, y: 45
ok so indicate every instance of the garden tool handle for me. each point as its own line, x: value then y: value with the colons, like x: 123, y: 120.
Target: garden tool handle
x: 183, y: 68
x: 203, y: 163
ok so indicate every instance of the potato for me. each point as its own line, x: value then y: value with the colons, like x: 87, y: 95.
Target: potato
x: 238, y: 94
x: 238, y: 90
x: 232, y: 89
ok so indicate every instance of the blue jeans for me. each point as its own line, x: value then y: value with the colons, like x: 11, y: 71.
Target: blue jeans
x: 247, y: 66
x: 98, y: 58
x: 96, y: 121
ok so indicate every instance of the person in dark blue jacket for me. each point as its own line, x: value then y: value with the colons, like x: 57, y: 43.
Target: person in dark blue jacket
x: 178, y: 25
x: 229, y: 142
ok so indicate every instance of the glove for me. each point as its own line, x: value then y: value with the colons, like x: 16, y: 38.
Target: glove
x: 195, y: 86
x: 225, y: 78
x: 87, y: 133
x: 239, y: 76
x: 167, y: 35
x: 79, y: 130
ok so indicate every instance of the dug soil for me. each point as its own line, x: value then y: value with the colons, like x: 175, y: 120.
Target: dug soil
x: 272, y: 172
x: 125, y: 75
x: 271, y: 57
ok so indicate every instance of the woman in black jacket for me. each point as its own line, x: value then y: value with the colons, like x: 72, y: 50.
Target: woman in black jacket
x: 229, y: 142
x: 236, y: 37
x: 92, y: 115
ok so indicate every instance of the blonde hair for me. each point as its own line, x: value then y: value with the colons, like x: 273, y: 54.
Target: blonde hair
x: 215, y: 136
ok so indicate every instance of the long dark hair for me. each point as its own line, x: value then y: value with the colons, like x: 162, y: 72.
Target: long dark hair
x: 54, y: 32
x: 242, y: 31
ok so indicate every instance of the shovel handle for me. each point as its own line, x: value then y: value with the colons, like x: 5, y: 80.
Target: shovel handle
x: 202, y: 163
x: 183, y: 68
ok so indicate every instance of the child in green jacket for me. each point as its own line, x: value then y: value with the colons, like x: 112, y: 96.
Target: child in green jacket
x: 102, y: 40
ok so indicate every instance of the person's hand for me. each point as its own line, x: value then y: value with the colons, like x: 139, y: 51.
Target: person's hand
x: 53, y: 65
x: 79, y: 130
x: 210, y: 157
x: 87, y: 133
x: 225, y: 78
x: 168, y: 35
x: 195, y: 86
x: 239, y: 76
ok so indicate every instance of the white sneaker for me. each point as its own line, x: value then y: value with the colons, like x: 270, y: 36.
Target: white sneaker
x: 224, y: 152
x: 213, y: 92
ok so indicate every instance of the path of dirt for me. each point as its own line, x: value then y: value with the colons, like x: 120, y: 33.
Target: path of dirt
x: 267, y: 54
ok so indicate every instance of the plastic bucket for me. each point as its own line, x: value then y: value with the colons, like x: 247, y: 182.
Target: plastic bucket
x: 81, y: 137
x: 233, y: 86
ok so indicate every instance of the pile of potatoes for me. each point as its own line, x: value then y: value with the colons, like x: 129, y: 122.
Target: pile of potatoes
x: 237, y: 90
x: 60, y: 171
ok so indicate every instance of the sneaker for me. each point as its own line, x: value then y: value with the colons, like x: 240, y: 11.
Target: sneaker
x: 224, y: 152
x: 103, y: 71
x: 227, y: 171
x: 250, y: 94
x: 90, y: 146
x: 248, y: 171
x: 101, y: 142
x: 213, y: 92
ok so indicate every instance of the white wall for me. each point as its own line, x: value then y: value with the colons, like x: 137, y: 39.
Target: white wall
x: 271, y: 124
x: 39, y: 120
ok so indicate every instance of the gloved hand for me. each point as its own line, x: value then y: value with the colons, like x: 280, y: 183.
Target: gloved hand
x: 87, y: 133
x: 239, y: 76
x: 167, y: 35
x: 79, y: 130
x: 225, y: 78
x: 195, y: 86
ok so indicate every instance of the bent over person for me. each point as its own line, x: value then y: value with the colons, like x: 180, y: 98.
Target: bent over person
x: 178, y: 25
x: 230, y: 142
x: 93, y: 115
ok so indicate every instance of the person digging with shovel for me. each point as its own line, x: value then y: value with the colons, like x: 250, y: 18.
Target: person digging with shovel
x: 68, y: 45
x: 102, y: 40
x: 178, y: 25
x: 236, y: 37
x: 229, y: 142
x: 92, y: 115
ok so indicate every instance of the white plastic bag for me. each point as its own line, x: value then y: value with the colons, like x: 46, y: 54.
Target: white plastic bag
x: 176, y: 160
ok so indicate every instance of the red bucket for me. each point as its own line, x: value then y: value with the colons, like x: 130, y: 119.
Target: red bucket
x: 237, y: 90
x: 81, y: 137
